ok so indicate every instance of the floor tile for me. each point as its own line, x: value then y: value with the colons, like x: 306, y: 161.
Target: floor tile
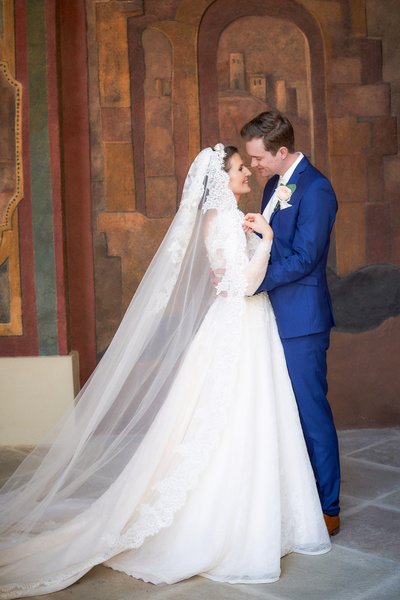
x: 343, y: 574
x: 390, y: 500
x: 349, y: 504
x: 9, y: 461
x: 374, y: 529
x: 102, y: 583
x: 367, y: 481
x: 387, y: 453
x: 386, y: 589
x: 356, y: 439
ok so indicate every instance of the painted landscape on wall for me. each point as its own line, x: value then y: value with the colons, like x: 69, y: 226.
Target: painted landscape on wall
x: 262, y: 65
x: 152, y: 83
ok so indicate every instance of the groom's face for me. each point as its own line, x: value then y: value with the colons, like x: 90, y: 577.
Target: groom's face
x: 266, y: 163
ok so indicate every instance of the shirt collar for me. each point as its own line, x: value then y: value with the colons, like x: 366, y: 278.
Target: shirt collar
x: 286, y: 176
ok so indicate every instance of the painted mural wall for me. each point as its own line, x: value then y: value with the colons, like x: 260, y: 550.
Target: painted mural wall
x: 11, y: 177
x: 151, y: 83
x: 262, y: 65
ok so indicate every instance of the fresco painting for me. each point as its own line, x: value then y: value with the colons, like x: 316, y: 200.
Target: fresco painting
x: 11, y: 192
x: 153, y: 82
x: 262, y: 64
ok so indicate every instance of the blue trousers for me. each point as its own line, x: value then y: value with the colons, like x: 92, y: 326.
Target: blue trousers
x: 306, y: 362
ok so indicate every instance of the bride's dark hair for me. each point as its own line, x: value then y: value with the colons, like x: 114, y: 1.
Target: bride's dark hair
x: 229, y: 152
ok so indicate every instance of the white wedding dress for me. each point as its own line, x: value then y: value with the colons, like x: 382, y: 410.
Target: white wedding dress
x: 220, y: 484
x: 256, y: 500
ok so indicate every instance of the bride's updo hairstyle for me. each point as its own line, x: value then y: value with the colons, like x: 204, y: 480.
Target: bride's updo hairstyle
x: 229, y: 152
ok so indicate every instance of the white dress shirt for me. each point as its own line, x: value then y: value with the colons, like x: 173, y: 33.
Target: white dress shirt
x: 283, y: 180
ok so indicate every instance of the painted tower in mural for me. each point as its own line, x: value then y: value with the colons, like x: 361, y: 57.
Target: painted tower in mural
x: 258, y: 85
x: 236, y: 71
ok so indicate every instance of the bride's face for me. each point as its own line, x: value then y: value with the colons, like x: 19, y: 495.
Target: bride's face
x: 238, y: 176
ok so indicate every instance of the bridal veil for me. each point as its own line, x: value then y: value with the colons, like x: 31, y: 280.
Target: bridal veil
x: 92, y: 489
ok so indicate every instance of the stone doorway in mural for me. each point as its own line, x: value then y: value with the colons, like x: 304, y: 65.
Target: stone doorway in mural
x: 263, y: 64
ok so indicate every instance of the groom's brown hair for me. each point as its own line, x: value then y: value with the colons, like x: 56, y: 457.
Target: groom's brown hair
x: 275, y: 129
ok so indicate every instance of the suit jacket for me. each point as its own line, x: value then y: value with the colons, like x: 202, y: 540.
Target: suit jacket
x: 296, y: 276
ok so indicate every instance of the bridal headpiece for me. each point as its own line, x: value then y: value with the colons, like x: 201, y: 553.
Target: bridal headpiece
x: 220, y: 150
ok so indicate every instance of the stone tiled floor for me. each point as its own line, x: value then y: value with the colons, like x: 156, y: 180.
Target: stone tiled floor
x: 364, y: 563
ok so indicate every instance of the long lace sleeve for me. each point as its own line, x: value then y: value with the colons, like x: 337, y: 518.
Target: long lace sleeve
x: 257, y: 266
x: 239, y: 266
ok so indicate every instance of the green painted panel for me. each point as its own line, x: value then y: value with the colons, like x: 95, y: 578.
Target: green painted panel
x: 42, y: 209
x: 5, y: 312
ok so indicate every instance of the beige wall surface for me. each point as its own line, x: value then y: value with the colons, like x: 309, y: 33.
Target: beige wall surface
x: 35, y: 392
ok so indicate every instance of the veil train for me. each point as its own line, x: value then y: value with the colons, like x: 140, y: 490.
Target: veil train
x: 54, y: 507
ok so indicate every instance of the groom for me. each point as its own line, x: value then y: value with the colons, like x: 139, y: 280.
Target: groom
x: 300, y: 205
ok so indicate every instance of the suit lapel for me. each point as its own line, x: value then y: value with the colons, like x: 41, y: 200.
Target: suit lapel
x: 272, y: 217
x: 272, y: 183
x: 268, y: 191
x: 294, y: 179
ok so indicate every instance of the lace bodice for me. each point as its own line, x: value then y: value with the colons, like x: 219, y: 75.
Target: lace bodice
x: 225, y: 239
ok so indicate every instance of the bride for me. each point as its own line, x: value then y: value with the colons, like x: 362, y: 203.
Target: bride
x: 184, y: 454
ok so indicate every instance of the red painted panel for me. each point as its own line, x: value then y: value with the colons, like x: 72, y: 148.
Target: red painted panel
x: 76, y: 181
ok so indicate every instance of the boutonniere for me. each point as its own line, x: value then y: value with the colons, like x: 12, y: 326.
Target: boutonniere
x: 284, y: 193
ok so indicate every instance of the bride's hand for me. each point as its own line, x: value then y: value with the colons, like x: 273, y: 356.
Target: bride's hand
x: 216, y: 276
x: 256, y: 222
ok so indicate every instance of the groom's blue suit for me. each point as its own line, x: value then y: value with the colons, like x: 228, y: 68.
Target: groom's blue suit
x: 297, y: 287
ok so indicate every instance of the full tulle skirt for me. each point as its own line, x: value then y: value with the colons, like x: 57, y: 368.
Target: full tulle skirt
x: 220, y: 486
x: 256, y: 500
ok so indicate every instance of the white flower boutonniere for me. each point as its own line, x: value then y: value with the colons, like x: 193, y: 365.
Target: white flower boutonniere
x: 284, y: 193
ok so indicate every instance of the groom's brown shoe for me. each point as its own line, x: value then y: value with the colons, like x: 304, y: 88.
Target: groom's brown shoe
x: 332, y: 524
